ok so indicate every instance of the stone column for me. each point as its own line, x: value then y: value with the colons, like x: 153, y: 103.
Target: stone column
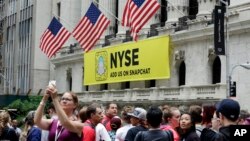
x: 109, y: 5
x: 176, y: 9
x: 70, y: 13
x: 85, y: 6
x: 206, y: 8
x: 70, y: 16
x: 121, y: 29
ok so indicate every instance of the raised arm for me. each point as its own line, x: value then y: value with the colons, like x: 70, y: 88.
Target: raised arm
x: 39, y: 121
x: 73, y: 126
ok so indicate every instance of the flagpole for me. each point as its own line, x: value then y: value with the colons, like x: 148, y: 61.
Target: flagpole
x: 228, y: 76
x: 107, y: 10
x: 63, y: 20
x: 175, y: 8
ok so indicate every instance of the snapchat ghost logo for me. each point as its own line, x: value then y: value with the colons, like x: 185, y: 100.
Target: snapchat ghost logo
x: 101, y: 66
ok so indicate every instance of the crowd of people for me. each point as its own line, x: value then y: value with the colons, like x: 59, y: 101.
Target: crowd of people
x: 207, y: 122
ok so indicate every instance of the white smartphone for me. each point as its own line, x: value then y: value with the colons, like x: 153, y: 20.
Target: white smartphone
x: 52, y: 83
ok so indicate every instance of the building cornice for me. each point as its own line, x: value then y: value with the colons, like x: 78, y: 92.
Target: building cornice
x: 69, y: 58
x: 235, y: 27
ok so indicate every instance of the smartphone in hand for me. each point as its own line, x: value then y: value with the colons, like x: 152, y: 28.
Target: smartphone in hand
x: 52, y: 83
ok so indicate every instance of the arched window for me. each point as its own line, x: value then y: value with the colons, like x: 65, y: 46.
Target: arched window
x: 217, y: 70
x: 182, y: 74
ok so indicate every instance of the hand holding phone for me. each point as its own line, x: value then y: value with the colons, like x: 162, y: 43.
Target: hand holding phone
x: 52, y: 83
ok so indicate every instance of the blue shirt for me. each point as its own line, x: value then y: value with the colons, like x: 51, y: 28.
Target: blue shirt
x: 34, y: 134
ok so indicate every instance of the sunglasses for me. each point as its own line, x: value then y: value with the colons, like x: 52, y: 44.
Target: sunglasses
x: 66, y: 99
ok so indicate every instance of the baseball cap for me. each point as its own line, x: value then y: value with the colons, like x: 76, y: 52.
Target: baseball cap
x: 139, y: 113
x: 115, y: 122
x: 229, y: 108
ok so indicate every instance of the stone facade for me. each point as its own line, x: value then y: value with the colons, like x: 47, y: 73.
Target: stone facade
x: 192, y: 40
x: 193, y: 46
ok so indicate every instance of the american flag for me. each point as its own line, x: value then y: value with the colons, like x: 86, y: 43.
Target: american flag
x: 90, y: 28
x: 53, y: 38
x: 137, y: 13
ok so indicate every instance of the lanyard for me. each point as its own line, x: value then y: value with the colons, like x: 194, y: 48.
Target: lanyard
x: 58, y: 133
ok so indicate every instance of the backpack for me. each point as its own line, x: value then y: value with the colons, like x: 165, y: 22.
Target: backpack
x: 210, y: 135
x: 169, y: 133
x: 199, y: 130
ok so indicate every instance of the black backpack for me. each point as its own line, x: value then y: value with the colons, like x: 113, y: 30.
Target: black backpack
x: 210, y: 135
x: 199, y: 130
x: 168, y: 132
x: 170, y: 135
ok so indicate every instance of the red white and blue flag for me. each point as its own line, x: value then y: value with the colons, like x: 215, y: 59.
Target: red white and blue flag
x: 53, y: 38
x: 137, y: 13
x: 90, y: 28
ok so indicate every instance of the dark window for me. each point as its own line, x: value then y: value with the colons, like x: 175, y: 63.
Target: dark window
x: 164, y: 14
x: 69, y: 78
x: 26, y: 3
x: 116, y: 14
x: 59, y: 10
x: 125, y: 85
x: 217, y: 70
x: 86, y: 86
x: 150, y: 83
x: 182, y: 73
x: 104, y: 86
x: 193, y: 9
x: 70, y: 83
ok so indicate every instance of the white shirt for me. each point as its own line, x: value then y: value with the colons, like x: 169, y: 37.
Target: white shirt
x: 122, y: 132
x: 101, y: 133
x: 18, y: 131
x: 44, y: 136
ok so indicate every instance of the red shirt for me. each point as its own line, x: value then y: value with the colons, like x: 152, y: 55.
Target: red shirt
x: 106, y: 123
x: 88, y: 131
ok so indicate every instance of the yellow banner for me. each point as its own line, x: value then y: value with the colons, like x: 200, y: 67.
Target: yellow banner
x: 143, y: 60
